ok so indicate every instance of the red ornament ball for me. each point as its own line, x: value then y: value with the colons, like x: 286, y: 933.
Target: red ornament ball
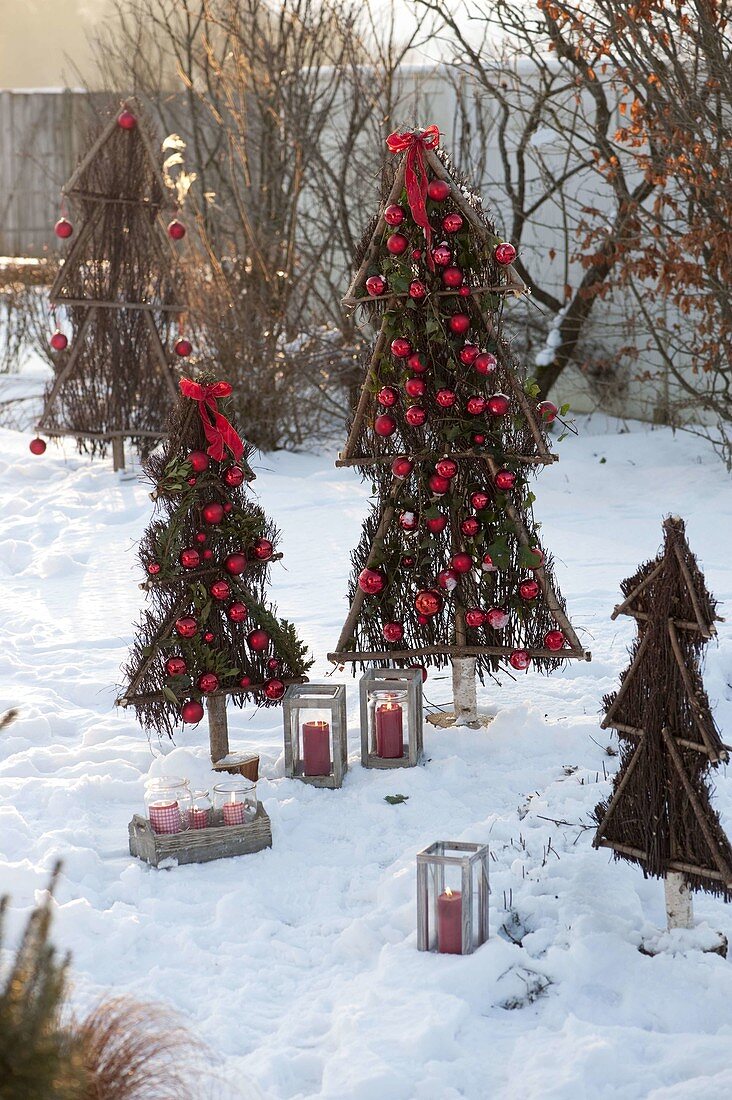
x: 394, y: 214
x: 208, y: 681
x: 58, y: 341
x: 554, y: 640
x: 438, y: 190
x: 474, y: 617
x: 439, y: 485
x: 201, y: 536
x: 496, y: 618
x: 548, y: 411
x: 487, y: 564
x: 187, y: 626
x: 237, y: 612
x: 235, y: 564
x: 175, y: 666
x: 37, y: 446
x: 233, y: 476
x: 452, y: 277
x: 262, y: 549
x: 428, y: 602
x: 183, y: 347
x: 220, y: 590
x: 408, y: 521
x: 245, y: 681
x: 447, y: 579
x: 504, y: 253
x: 498, y: 404
x: 422, y: 620
x: 153, y: 568
x: 208, y: 554
x: 539, y: 556
x: 417, y: 254
x: 445, y: 398
x: 375, y: 285
x: 528, y: 590
x: 371, y: 581
x: 519, y: 660
x: 274, y: 689
x: 213, y: 512
x: 407, y: 562
x: 273, y: 664
x: 436, y: 524
x: 401, y: 347
x: 468, y: 354
x: 258, y: 640
x: 441, y: 255
x: 393, y: 632
x: 462, y: 563
x: 479, y: 500
x: 465, y: 291
x: 459, y: 323
x: 191, y: 712
x: 189, y: 558
x: 228, y: 507
x: 417, y: 290
x: 415, y: 415
x: 470, y: 527
x: 192, y: 481
x: 385, y: 425
x: 416, y: 363
x: 387, y: 396
x: 126, y: 120
x: 402, y: 467
x: 485, y: 363
x: 452, y: 223
x: 208, y: 637
x: 199, y: 461
x: 63, y: 229
x: 478, y: 438
x: 475, y: 405
x: 176, y: 230
x: 397, y: 243
x: 415, y: 387
x: 505, y: 480
x: 447, y: 467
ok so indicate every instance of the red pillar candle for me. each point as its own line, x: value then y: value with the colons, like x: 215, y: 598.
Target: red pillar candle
x: 316, y: 748
x: 233, y: 813
x: 165, y: 817
x: 198, y: 819
x: 389, y: 731
x: 450, y: 922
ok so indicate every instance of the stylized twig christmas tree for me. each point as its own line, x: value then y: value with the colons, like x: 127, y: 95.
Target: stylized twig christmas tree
x: 114, y: 377
x: 450, y: 566
x: 659, y: 814
x: 209, y: 635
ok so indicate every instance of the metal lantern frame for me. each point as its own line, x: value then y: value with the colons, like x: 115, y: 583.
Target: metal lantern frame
x: 472, y: 859
x: 301, y: 698
x: 392, y: 679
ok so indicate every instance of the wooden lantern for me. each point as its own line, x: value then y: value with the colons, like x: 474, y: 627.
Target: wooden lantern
x: 391, y: 718
x: 316, y: 744
x: 459, y: 914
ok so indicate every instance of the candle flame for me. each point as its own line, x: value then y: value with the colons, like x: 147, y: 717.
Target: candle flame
x: 448, y: 891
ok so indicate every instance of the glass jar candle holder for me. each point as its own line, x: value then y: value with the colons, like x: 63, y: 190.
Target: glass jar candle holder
x: 200, y: 814
x: 391, y: 718
x: 235, y: 801
x: 168, y: 804
x: 452, y: 897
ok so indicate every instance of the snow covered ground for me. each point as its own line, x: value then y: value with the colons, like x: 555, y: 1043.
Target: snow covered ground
x: 299, y: 965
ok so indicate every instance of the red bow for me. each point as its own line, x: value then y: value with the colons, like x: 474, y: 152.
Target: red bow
x: 415, y: 174
x: 219, y: 432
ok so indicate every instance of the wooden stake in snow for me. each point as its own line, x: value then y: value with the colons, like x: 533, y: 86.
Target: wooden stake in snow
x: 679, y: 904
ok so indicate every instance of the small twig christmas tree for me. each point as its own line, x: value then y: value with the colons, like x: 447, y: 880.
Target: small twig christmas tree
x: 449, y: 567
x: 118, y: 287
x: 209, y: 634
x: 659, y: 814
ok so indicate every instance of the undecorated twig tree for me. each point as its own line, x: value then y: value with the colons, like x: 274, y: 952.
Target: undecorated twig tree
x: 659, y: 814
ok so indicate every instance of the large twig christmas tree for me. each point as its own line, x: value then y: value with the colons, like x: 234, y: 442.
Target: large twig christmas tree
x: 450, y: 567
x: 660, y: 815
x: 118, y: 288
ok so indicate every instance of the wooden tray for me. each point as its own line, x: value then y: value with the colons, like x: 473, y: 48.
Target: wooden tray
x: 199, y: 845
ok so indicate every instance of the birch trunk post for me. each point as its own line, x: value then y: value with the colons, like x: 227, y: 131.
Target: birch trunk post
x: 679, y: 901
x: 464, y: 692
x: 218, y: 728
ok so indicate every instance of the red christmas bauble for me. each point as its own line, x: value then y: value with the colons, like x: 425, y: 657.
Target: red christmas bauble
x: 37, y: 446
x: 237, y: 612
x: 447, y: 467
x: 422, y: 620
x: 468, y: 354
x: 274, y: 689
x: 539, y: 555
x: 438, y: 190
x: 401, y: 347
x: 528, y: 590
x: 258, y: 640
x: 417, y: 254
x: 262, y: 549
x: 407, y: 562
x: 438, y: 484
x: 153, y: 568
x: 183, y: 347
x: 459, y: 323
x: 496, y: 618
x: 498, y: 404
x: 199, y: 461
x: 387, y: 396
x: 208, y: 681
x: 402, y: 467
x: 208, y: 637
x: 213, y: 512
x: 475, y: 405
x: 235, y: 564
x: 385, y: 425
x: 504, y: 253
x: 554, y: 640
x: 396, y: 244
x: 375, y: 285
x: 441, y: 255
x: 189, y: 558
x: 208, y: 554
x: 175, y: 666
x: 371, y: 581
x: 201, y: 536
x: 479, y: 500
x: 63, y: 228
x: 416, y: 363
x: 126, y: 120
x: 428, y: 602
x: 548, y: 411
x: 393, y: 632
x: 474, y: 616
x: 192, y: 481
x: 394, y: 214
x: 408, y: 521
x: 487, y: 564
x: 191, y: 712
x: 415, y: 415
x: 452, y: 277
x: 485, y: 363
x: 176, y: 230
x: 187, y: 626
x: 415, y: 387
x: 519, y: 660
x: 417, y: 290
x: 245, y: 681
x: 478, y: 438
x: 470, y: 527
x: 58, y: 341
x: 220, y: 590
x: 465, y: 291
x: 452, y: 223
x: 233, y: 476
x: 273, y: 664
x: 462, y: 563
x: 445, y: 398
x: 447, y: 579
x: 505, y: 480
x: 436, y: 524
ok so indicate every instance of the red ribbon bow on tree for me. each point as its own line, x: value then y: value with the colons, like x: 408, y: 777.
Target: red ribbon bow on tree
x: 219, y: 432
x: 415, y: 175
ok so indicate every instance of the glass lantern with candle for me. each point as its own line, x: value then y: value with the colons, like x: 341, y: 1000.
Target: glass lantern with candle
x: 168, y: 804
x: 316, y: 750
x: 391, y: 718
x: 201, y: 810
x: 235, y: 802
x: 452, y: 897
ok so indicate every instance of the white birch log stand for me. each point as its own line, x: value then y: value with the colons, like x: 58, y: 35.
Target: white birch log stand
x: 682, y: 935
x: 679, y: 901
